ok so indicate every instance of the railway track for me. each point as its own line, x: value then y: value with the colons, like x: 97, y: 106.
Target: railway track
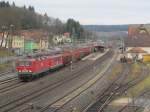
x: 22, y: 100
x: 4, y: 73
x: 111, y: 87
x: 108, y: 96
x: 136, y: 107
x: 131, y: 84
x: 141, y: 95
x: 7, y: 80
x: 10, y: 86
x: 58, y: 104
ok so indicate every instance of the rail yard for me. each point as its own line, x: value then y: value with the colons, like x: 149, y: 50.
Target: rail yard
x: 74, y: 56
x: 88, y: 85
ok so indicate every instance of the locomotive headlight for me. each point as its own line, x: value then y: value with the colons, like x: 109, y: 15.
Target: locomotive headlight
x: 29, y: 71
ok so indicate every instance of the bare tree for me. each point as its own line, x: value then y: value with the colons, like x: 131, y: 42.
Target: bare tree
x: 3, y: 35
x: 7, y: 39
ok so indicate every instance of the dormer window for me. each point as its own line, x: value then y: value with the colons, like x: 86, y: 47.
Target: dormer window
x: 142, y: 30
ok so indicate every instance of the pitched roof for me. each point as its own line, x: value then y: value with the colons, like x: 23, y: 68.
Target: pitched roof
x: 136, y: 50
x: 143, y: 29
x: 34, y: 34
x: 138, y: 36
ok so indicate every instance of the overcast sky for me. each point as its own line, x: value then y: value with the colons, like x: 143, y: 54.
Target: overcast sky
x: 103, y: 12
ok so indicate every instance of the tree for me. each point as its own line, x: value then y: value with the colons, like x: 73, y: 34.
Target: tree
x: 27, y: 18
x: 7, y: 4
x: 74, y: 28
x: 1, y: 45
x: 7, y: 39
x: 46, y: 19
x: 24, y: 7
x: 13, y: 4
x: 31, y: 8
x: 4, y: 4
x: 4, y: 28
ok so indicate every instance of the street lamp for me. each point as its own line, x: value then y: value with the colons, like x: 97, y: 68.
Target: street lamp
x: 72, y: 38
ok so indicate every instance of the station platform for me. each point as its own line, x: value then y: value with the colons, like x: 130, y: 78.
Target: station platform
x: 95, y: 56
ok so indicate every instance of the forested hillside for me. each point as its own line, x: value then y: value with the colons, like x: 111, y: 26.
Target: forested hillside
x: 20, y: 17
x: 23, y: 18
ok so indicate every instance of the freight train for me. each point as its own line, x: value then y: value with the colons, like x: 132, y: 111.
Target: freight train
x: 33, y: 66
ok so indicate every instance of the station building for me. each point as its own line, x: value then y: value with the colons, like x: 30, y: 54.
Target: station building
x: 137, y: 44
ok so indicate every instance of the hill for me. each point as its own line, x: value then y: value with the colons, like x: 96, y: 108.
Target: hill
x: 13, y: 17
x: 26, y: 18
x: 106, y: 28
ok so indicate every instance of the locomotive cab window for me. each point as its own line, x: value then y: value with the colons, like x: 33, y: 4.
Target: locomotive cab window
x: 24, y: 63
x: 27, y: 63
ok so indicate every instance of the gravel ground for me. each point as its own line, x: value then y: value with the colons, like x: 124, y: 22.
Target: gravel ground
x: 49, y: 79
x: 117, y: 108
x: 6, y: 76
x: 42, y: 82
x: 62, y: 90
x: 90, y: 95
x: 140, y: 75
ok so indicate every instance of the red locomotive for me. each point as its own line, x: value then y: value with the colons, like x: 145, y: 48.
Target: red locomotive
x: 34, y: 66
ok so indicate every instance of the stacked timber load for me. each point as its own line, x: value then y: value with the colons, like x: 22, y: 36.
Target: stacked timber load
x: 146, y: 58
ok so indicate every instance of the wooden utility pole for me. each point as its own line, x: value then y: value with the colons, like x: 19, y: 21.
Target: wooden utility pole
x: 11, y: 37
